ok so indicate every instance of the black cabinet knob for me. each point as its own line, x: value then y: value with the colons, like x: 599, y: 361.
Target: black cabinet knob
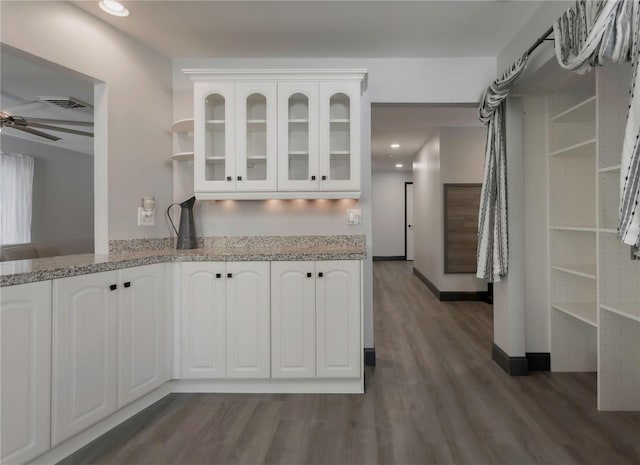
x: 229, y: 178
x: 308, y: 275
x: 113, y: 287
x: 320, y: 275
x: 127, y: 284
x: 229, y: 275
x: 313, y: 178
x: 239, y: 178
x: 324, y: 178
x: 218, y: 275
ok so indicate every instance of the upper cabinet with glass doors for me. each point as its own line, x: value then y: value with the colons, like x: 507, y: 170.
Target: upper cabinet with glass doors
x: 269, y: 134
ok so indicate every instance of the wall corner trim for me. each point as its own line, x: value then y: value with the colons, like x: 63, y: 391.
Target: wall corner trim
x: 513, y: 366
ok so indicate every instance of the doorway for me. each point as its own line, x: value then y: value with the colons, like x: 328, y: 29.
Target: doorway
x: 408, y: 221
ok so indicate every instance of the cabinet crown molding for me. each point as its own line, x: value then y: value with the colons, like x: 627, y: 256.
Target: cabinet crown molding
x: 279, y: 74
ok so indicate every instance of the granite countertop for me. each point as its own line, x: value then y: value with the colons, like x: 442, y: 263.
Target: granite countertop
x: 42, y: 269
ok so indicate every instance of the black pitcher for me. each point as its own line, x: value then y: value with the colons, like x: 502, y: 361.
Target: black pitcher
x: 187, y: 234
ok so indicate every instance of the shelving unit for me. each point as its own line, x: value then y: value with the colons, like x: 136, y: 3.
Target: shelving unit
x: 572, y: 150
x: 182, y: 140
x: 594, y: 284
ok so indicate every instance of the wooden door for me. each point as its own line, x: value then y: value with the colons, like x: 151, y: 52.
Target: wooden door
x: 338, y: 349
x: 247, y: 316
x: 141, y: 332
x: 203, y: 320
x: 25, y: 319
x: 293, y: 303
x: 84, y: 352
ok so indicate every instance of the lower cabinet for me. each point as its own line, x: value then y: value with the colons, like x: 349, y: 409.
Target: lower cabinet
x: 141, y: 332
x: 108, y: 348
x: 225, y: 320
x: 315, y: 319
x: 25, y: 344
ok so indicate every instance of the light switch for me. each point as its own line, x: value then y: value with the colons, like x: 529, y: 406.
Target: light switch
x: 354, y: 216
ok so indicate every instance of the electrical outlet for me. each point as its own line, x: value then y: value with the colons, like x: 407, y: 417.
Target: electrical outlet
x: 146, y: 219
x: 354, y: 216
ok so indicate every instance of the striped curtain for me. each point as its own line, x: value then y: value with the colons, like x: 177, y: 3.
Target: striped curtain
x: 493, y: 238
x: 586, y: 34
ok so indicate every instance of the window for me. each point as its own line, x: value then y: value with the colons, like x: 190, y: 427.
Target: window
x: 16, y: 194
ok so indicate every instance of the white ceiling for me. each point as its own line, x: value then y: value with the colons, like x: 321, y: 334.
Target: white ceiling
x: 321, y: 29
x: 23, y: 79
x: 411, y: 125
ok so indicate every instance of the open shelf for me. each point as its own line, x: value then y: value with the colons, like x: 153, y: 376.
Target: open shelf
x: 183, y: 125
x: 586, y: 148
x: 583, y: 270
x: 625, y: 309
x: 610, y: 169
x: 573, y: 228
x: 585, y: 312
x: 182, y: 156
x: 214, y: 122
x: 580, y: 112
x: 298, y: 121
x: 215, y: 158
x: 257, y: 121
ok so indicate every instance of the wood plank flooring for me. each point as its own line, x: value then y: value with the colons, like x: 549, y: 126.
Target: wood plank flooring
x: 435, y: 397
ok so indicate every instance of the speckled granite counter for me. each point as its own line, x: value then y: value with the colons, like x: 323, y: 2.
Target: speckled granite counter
x: 126, y: 254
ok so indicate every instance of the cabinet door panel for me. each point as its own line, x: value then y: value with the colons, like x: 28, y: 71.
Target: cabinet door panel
x: 214, y: 137
x: 141, y: 332
x: 298, y: 136
x: 339, y: 156
x: 84, y: 352
x: 338, y: 319
x: 25, y: 318
x: 256, y: 142
x: 203, y: 320
x: 247, y: 313
x: 293, y: 303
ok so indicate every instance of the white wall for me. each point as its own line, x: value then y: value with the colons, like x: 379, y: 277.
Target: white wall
x: 388, y: 208
x: 139, y: 90
x: 522, y: 325
x: 390, y: 80
x: 427, y: 215
x: 62, y: 211
x: 455, y: 156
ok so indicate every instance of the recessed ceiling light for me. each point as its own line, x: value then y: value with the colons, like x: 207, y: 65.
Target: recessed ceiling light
x: 395, y: 145
x: 113, y: 8
x: 398, y: 165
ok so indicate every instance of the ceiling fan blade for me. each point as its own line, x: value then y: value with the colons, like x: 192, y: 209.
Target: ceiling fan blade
x: 59, y: 129
x: 34, y: 132
x: 59, y: 121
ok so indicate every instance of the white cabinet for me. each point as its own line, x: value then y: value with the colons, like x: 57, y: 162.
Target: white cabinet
x: 141, y: 332
x: 298, y: 136
x: 84, y: 352
x: 225, y: 320
x: 108, y: 344
x: 203, y: 320
x: 263, y: 134
x: 339, y: 136
x: 25, y: 318
x: 338, y: 293
x: 247, y: 320
x: 293, y: 319
x: 315, y: 319
x: 235, y: 136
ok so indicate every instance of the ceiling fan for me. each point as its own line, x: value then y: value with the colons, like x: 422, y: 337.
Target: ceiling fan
x: 33, y: 125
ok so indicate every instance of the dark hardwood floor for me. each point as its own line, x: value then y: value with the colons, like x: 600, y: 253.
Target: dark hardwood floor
x: 435, y: 397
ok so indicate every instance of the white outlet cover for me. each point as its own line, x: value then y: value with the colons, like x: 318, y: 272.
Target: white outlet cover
x: 354, y: 216
x: 146, y: 220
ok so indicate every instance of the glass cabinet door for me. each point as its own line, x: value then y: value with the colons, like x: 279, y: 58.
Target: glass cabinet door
x: 257, y: 137
x: 298, y: 136
x: 339, y: 144
x: 214, y: 137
